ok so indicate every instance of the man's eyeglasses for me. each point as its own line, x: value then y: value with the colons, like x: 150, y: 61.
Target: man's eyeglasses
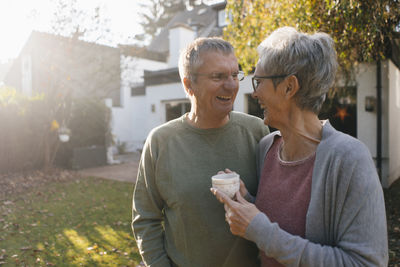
x: 220, y: 76
x: 255, y: 80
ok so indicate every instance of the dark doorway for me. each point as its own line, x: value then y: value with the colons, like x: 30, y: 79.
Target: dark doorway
x: 175, y: 109
x: 253, y: 108
x: 340, y: 108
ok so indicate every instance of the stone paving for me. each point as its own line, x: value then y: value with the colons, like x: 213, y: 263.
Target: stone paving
x: 124, y: 171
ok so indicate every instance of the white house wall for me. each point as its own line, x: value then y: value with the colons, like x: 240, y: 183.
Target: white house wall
x: 132, y: 69
x: 366, y: 121
x: 156, y: 96
x: 128, y: 128
x: 138, y: 127
x: 394, y: 125
x: 179, y: 38
x: 128, y: 121
x: 366, y: 86
x: 245, y: 87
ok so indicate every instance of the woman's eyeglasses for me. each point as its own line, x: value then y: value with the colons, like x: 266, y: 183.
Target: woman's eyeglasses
x: 256, y: 80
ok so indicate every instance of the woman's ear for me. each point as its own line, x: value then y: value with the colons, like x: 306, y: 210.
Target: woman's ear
x: 292, y: 86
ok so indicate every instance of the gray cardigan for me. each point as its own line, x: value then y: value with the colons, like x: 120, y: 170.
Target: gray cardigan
x: 346, y: 218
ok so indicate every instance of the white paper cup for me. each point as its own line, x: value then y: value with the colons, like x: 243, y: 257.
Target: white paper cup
x: 229, y: 183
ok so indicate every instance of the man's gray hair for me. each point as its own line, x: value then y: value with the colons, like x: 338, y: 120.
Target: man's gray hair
x: 190, y: 58
x: 310, y: 57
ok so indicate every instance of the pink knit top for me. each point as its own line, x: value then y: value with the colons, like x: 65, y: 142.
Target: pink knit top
x: 284, y: 193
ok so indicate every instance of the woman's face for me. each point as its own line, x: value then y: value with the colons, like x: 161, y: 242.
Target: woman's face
x: 270, y: 98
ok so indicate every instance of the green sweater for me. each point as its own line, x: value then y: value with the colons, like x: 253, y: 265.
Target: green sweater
x: 176, y: 219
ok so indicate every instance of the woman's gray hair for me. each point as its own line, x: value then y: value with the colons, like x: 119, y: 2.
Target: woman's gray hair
x: 310, y: 57
x: 190, y: 58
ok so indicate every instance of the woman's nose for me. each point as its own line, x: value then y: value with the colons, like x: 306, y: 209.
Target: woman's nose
x: 254, y: 94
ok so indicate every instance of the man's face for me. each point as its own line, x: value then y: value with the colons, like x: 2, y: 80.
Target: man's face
x: 216, y: 84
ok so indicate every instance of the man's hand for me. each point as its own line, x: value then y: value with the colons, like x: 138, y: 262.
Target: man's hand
x: 238, y: 213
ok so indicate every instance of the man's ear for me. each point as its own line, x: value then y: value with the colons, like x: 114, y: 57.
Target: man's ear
x: 292, y: 86
x: 187, y: 84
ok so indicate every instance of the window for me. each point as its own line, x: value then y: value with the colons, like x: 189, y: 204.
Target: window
x: 175, y: 109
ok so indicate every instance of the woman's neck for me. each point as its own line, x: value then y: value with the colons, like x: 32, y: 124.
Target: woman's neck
x: 301, y: 135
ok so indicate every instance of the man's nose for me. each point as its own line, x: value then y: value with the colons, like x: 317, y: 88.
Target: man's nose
x: 231, y: 83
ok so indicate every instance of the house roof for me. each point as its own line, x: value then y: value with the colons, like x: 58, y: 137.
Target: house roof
x: 142, y: 52
x: 84, y: 68
x: 202, y: 18
x: 48, y: 40
x: 36, y: 36
x: 161, y: 76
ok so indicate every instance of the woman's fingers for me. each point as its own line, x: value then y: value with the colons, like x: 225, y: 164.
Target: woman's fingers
x: 238, y: 214
x: 236, y: 225
x: 240, y: 199
x: 242, y: 189
x: 222, y: 197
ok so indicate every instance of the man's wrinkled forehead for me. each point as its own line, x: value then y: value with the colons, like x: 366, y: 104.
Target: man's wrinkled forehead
x: 204, y: 57
x: 203, y: 53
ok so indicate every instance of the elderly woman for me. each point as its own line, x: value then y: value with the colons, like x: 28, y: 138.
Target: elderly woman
x: 319, y: 201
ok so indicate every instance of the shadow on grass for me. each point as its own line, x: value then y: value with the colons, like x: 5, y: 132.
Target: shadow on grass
x: 76, y: 223
x: 86, y: 222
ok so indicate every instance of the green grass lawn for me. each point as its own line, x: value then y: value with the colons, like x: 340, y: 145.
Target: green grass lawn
x: 83, y: 222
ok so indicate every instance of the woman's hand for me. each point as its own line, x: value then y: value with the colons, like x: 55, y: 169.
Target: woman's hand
x: 243, y: 190
x: 238, y: 213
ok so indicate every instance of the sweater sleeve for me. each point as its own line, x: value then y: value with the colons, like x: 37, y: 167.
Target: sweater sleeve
x: 360, y: 237
x: 147, y: 214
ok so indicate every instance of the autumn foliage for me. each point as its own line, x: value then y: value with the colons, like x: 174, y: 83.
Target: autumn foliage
x: 362, y: 30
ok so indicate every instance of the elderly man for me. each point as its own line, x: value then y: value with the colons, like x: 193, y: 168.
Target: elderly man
x: 176, y: 221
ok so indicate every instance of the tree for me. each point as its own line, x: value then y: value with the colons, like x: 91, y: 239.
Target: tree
x: 66, y: 64
x: 362, y: 30
x: 156, y: 14
x: 89, y: 25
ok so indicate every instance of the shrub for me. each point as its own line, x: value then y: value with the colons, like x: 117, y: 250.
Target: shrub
x: 30, y: 125
x: 22, y: 130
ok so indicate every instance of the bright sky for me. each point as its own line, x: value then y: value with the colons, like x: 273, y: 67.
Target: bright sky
x: 19, y: 17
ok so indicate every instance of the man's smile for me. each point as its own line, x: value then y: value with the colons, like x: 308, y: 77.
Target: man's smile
x: 224, y: 98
